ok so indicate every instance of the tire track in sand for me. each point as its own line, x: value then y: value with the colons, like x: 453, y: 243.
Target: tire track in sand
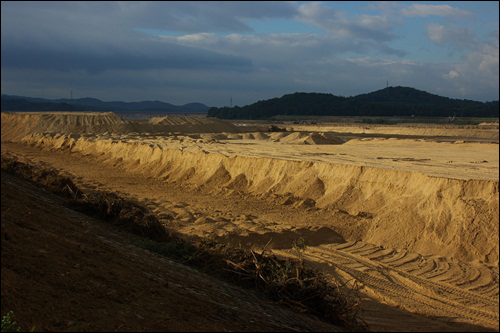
x: 430, y: 286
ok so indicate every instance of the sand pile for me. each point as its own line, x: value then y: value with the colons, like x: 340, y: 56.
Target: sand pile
x: 405, y: 210
x: 298, y: 138
x: 15, y: 126
x: 277, y: 135
x: 311, y: 139
x: 322, y: 139
x: 193, y: 124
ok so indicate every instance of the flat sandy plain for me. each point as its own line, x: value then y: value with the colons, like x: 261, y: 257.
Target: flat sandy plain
x: 410, y: 213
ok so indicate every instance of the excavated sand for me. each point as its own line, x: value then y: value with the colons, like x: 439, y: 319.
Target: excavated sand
x: 443, y: 130
x: 15, y: 126
x: 421, y: 215
x: 407, y: 200
x: 427, y: 214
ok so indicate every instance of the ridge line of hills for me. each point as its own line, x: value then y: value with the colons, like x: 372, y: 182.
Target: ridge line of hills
x: 22, y: 103
x: 390, y: 101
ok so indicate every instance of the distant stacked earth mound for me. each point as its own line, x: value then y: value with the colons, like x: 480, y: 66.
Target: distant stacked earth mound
x: 190, y: 124
x: 322, y: 139
x: 15, y: 126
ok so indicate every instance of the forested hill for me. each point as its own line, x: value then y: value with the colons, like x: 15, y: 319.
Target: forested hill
x: 21, y: 103
x: 391, y: 101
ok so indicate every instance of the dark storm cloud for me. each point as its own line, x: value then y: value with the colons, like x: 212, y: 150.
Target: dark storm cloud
x: 181, y: 51
x: 78, y: 57
x: 180, y: 16
x: 96, y: 37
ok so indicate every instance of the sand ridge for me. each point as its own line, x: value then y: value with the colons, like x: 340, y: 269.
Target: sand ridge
x: 404, y: 209
x: 386, y: 274
x: 443, y: 130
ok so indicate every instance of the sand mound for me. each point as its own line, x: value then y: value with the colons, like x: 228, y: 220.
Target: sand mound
x: 322, y: 139
x: 283, y: 137
x: 260, y: 136
x: 212, y: 136
x: 193, y: 124
x: 17, y: 125
x: 294, y: 137
x: 247, y: 136
x: 277, y: 135
x: 408, y: 210
x: 314, y: 138
x: 232, y: 136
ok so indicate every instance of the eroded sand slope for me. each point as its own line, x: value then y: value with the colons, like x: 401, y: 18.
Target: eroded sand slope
x: 416, y: 228
x: 426, y: 214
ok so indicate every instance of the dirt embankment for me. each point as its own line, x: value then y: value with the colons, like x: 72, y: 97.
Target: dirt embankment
x: 441, y: 131
x: 297, y: 138
x: 407, y: 210
x: 65, y: 271
x: 17, y: 125
x: 405, y: 226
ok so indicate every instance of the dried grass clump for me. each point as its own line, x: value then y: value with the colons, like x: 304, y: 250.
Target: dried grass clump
x: 290, y: 283
x: 121, y: 212
x: 284, y: 281
x: 41, y: 176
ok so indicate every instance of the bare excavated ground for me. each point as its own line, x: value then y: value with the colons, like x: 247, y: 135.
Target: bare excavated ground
x: 414, y: 222
x: 64, y: 271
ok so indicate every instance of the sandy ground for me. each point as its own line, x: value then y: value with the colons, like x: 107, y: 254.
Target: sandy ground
x: 64, y: 271
x: 446, y: 159
x: 440, y: 131
x: 414, y: 221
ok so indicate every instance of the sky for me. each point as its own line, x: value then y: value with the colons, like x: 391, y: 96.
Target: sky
x: 216, y: 52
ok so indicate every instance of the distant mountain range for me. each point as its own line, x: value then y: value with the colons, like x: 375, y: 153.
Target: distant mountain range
x: 22, y: 103
x: 390, y: 101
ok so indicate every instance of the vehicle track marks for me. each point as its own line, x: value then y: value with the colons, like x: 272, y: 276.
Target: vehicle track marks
x: 428, y: 285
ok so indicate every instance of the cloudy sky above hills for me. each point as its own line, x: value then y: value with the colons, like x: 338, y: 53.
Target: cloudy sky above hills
x: 209, y: 51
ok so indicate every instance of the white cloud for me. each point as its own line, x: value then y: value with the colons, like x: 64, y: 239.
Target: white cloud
x: 485, y: 60
x: 452, y: 75
x: 459, y: 38
x: 340, y: 25
x: 422, y: 10
x: 113, y: 49
x: 478, y: 73
x: 282, y: 50
x: 368, y: 61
